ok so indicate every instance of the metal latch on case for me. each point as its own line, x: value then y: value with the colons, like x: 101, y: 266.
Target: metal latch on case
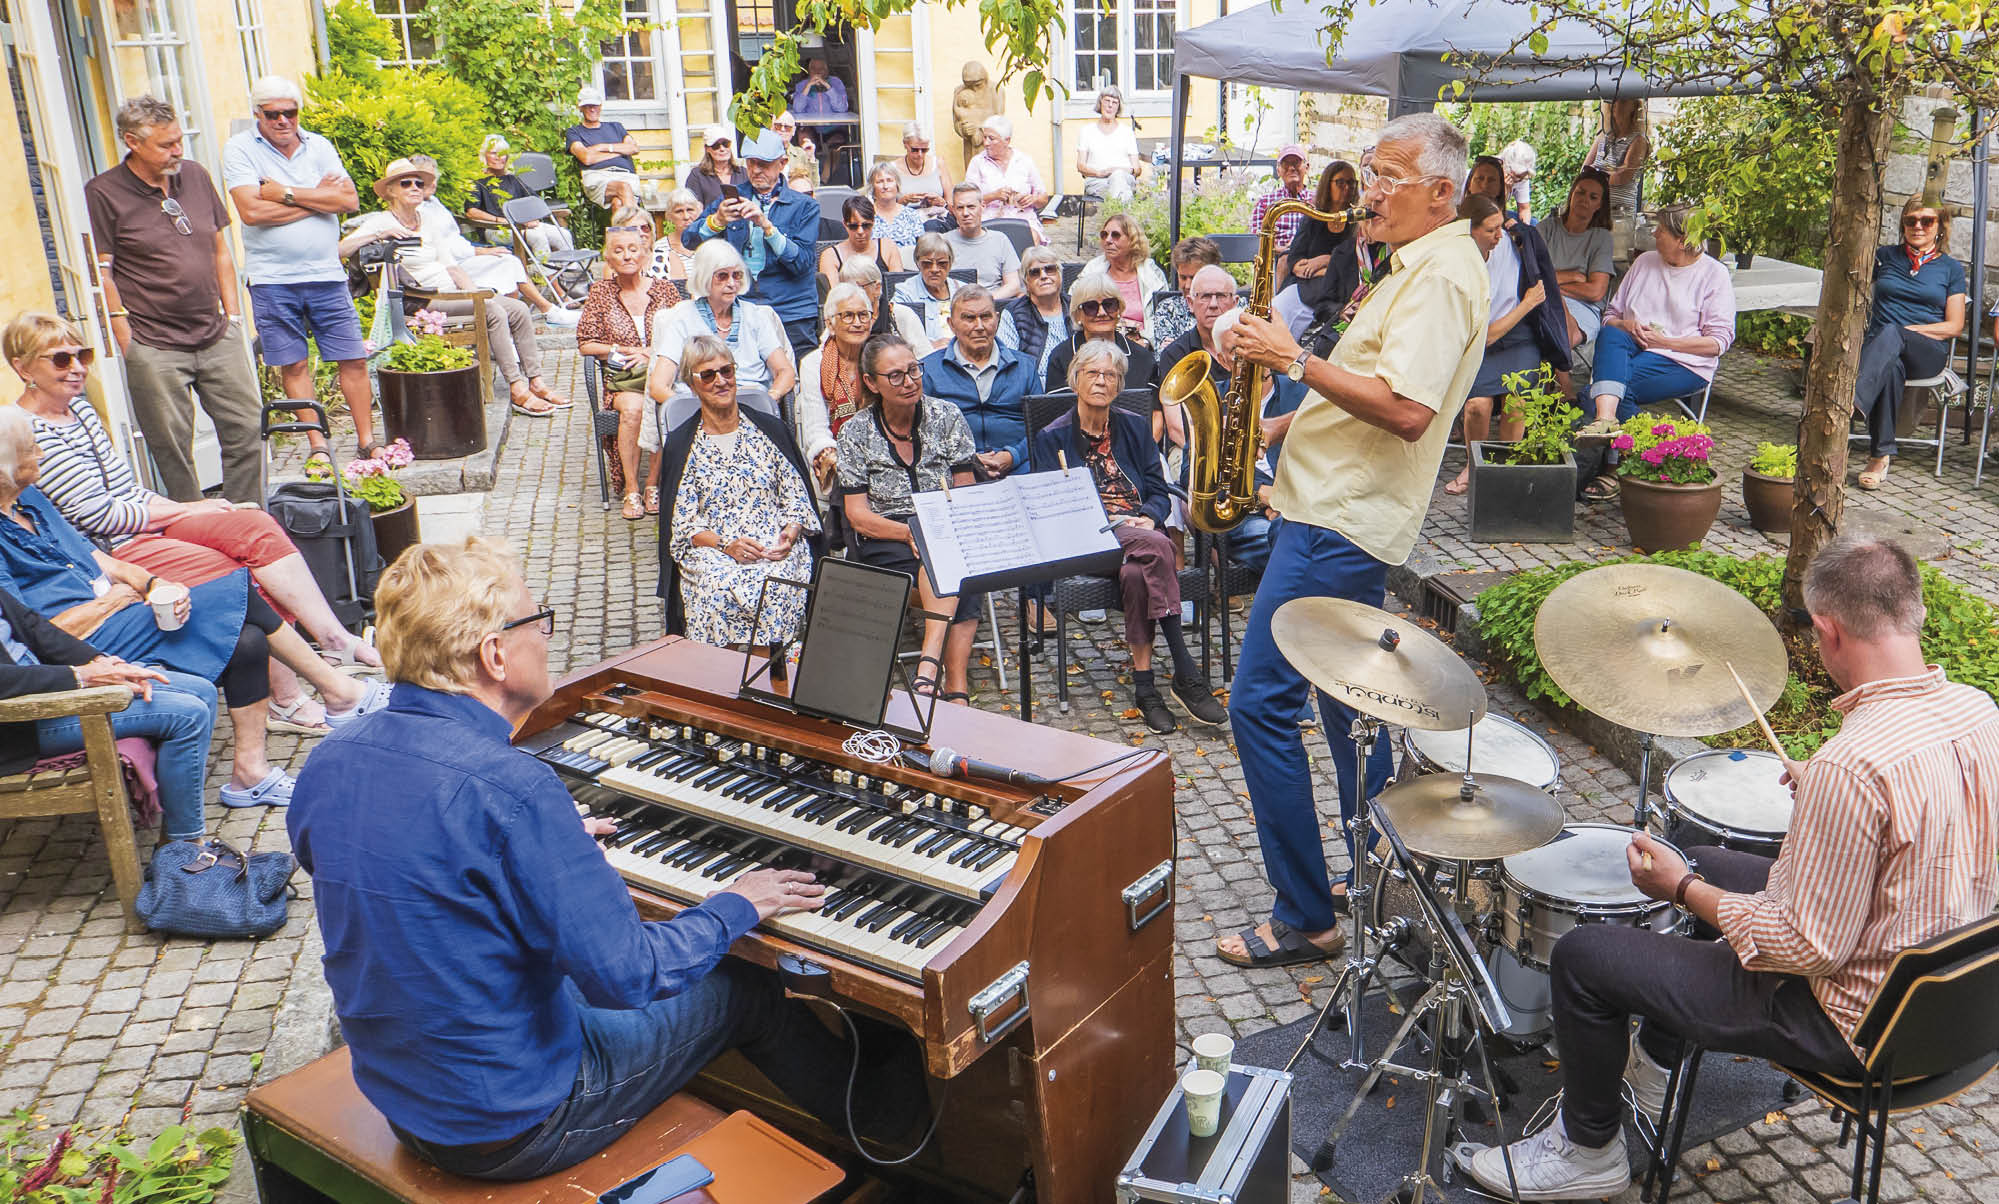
x: 1153, y: 893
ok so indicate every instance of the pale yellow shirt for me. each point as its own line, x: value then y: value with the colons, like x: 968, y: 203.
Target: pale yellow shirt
x: 1422, y: 331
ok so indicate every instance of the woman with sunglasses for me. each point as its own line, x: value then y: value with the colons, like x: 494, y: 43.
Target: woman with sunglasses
x: 906, y: 443
x: 899, y: 223
x: 752, y: 332
x: 1036, y: 323
x: 741, y: 512
x: 923, y: 180
x: 1920, y: 295
x: 857, y: 214
x: 718, y: 166
x: 617, y: 328
x: 1126, y: 261
x: 1096, y: 307
x: 929, y: 292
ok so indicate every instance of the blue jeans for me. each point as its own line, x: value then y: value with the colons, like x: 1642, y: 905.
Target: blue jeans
x: 1305, y: 561
x: 633, y: 1060
x: 180, y: 719
x: 1636, y: 378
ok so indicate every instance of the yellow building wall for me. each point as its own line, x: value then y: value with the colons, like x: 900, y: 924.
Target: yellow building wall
x: 24, y: 274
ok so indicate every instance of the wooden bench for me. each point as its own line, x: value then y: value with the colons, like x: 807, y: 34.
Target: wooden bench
x: 314, y: 1138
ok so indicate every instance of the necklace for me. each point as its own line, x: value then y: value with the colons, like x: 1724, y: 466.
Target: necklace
x: 906, y: 438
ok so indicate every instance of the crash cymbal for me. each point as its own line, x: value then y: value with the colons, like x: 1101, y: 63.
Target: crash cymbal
x: 1648, y: 646
x: 1379, y: 664
x: 1441, y: 815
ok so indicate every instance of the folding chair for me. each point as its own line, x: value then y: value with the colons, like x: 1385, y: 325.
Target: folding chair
x: 1945, y: 388
x: 573, y: 269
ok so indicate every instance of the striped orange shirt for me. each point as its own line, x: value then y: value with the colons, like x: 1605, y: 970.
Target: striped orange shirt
x: 1893, y: 840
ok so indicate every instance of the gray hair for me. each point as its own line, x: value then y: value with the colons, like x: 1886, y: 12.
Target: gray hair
x: 964, y: 186
x: 142, y: 113
x: 709, y: 258
x: 1034, y: 257
x: 698, y: 352
x: 1112, y: 91
x: 843, y: 291
x: 274, y: 87
x: 970, y: 293
x: 682, y: 196
x: 859, y: 271
x: 886, y: 165
x: 1441, y: 149
x: 931, y: 244
x: 1870, y: 585
x: 1091, y: 352
x: 998, y: 123
x: 1094, y: 287
x: 914, y: 129
x: 17, y: 435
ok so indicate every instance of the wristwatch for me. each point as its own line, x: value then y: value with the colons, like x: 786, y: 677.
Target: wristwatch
x: 288, y: 196
x: 1296, y: 369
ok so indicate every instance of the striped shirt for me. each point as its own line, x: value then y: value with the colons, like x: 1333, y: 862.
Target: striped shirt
x: 1892, y: 842
x: 87, y: 479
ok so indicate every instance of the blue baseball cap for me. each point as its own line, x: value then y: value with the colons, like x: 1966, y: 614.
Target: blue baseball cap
x: 766, y: 146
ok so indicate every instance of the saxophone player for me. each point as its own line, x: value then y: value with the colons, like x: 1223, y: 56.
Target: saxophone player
x: 1353, y: 484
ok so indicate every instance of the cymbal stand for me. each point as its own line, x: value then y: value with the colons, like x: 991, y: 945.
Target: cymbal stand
x: 1640, y: 811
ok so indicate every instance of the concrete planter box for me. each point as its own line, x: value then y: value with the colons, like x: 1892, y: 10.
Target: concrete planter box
x: 1527, y: 503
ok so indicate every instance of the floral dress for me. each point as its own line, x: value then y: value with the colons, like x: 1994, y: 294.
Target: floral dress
x: 739, y: 485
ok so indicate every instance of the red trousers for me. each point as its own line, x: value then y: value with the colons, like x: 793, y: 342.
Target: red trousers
x: 201, y: 547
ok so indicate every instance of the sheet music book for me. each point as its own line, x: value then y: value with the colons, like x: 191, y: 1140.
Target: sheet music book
x: 1013, y: 531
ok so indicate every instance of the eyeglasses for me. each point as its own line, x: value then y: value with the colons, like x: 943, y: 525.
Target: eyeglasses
x: 628, y: 230
x: 1046, y: 269
x: 172, y: 209
x: 63, y: 359
x: 1099, y: 374
x: 543, y: 620
x: 904, y: 376
x: 278, y: 114
x: 860, y: 225
x: 934, y: 263
x: 1102, y: 307
x: 1918, y: 222
x: 1213, y: 298
x: 708, y: 376
x: 728, y: 274
x: 1389, y: 184
x: 852, y: 318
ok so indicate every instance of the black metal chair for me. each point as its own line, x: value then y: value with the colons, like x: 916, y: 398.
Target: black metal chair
x: 890, y: 280
x: 1930, y: 1032
x: 565, y: 273
x: 603, y: 424
x: 967, y: 275
x: 1071, y: 273
x: 1075, y: 594
x: 536, y: 170
x: 1078, y: 205
x: 1017, y: 232
x: 830, y: 228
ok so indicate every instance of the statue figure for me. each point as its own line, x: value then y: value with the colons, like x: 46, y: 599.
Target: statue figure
x: 972, y: 102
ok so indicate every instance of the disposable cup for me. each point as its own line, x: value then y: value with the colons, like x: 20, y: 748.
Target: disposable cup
x: 1203, y: 1091
x: 163, y: 599
x: 1212, y: 1051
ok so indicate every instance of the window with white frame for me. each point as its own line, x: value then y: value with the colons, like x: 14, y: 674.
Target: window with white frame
x: 1128, y: 43
x: 630, y: 70
x: 148, y: 35
x: 417, y: 44
x: 250, y: 34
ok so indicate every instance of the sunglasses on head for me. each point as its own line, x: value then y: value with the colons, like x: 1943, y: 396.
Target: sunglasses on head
x: 1919, y: 222
x: 707, y: 376
x: 1101, y: 307
x: 63, y: 359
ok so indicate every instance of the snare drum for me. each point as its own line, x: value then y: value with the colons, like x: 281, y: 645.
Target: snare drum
x: 1581, y: 877
x: 1499, y: 746
x: 1733, y: 797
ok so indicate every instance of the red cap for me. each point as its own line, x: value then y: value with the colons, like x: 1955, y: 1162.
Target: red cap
x: 1293, y: 151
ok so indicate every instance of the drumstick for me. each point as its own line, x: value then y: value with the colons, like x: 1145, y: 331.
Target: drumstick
x: 1761, y: 724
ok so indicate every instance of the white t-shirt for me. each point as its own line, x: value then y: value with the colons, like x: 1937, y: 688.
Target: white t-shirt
x: 756, y: 329
x: 1107, y: 152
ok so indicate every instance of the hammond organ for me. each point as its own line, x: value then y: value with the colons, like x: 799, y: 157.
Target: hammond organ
x: 1022, y: 934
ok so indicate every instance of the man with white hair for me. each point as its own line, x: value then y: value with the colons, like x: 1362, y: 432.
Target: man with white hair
x: 1210, y: 294
x: 290, y: 188
x: 605, y: 151
x: 169, y: 278
x: 1353, y: 484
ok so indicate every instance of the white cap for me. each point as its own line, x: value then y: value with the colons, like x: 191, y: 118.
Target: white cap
x: 589, y: 96
x: 718, y: 132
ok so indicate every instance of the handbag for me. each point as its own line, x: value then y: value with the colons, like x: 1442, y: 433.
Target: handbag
x: 211, y: 890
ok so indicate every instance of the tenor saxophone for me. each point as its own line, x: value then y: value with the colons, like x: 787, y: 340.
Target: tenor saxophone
x: 1225, y: 436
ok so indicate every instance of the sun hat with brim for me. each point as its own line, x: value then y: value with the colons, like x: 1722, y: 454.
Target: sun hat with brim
x: 400, y: 168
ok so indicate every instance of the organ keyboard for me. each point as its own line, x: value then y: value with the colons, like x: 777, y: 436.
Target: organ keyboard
x: 1022, y: 934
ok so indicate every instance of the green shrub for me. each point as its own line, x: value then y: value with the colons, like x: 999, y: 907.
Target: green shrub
x: 1758, y: 170
x: 1961, y: 633
x: 1772, y: 332
x: 1559, y: 131
x: 1533, y: 398
x: 1775, y: 460
x: 427, y: 353
x: 357, y: 39
x: 1220, y: 204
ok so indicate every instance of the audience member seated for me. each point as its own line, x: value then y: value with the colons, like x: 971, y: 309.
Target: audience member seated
x: 1126, y: 261
x: 1663, y: 333
x: 905, y: 442
x: 1291, y: 169
x: 890, y: 317
x: 1249, y: 543
x: 776, y: 230
x: 857, y: 214
x: 1920, y: 297
x: 604, y: 152
x: 618, y: 329
x: 988, y: 383
x: 1171, y: 317
x: 1037, y: 323
x: 176, y: 711
x: 801, y: 150
x: 716, y: 168
x: 496, y: 269
x: 531, y: 1018
x: 754, y: 335
x: 1124, y: 462
x: 922, y: 177
x: 1210, y: 294
x: 1006, y: 178
x: 1107, y: 151
x: 1096, y: 309
x: 987, y: 252
x: 930, y: 291
x: 672, y: 255
x: 818, y: 94
x: 492, y: 191
x: 895, y: 221
x: 1319, y: 274
x: 741, y: 513
x: 1580, y: 246
x: 829, y: 385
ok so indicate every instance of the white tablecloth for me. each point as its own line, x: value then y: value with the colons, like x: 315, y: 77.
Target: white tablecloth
x: 1773, y: 284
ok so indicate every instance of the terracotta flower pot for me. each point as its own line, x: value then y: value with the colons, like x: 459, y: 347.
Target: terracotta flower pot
x: 1663, y: 518
x: 1769, y: 501
x: 396, y: 530
x: 438, y: 412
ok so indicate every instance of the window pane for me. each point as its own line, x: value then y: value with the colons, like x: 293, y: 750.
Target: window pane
x: 1094, y: 43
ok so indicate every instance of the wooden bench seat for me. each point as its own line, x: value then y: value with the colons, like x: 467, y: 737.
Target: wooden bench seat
x: 313, y: 1138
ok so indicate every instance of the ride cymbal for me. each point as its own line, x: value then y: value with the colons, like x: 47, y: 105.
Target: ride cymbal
x: 1648, y: 646
x: 1441, y: 815
x: 1379, y: 664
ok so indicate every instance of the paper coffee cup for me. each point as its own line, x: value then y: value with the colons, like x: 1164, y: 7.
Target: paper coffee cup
x: 1203, y: 1091
x: 1212, y: 1051
x: 164, y: 598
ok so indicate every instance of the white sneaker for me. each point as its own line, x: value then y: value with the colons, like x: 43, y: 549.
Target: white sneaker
x: 1548, y: 1166
x: 1645, y: 1081
x: 1093, y: 616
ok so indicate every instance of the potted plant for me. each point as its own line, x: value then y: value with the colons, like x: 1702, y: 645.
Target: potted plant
x: 1668, y: 490
x: 1526, y: 490
x: 1767, y: 486
x: 430, y: 392
x: 373, y: 480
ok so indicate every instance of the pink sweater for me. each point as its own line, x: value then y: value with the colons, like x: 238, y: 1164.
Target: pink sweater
x: 1694, y: 300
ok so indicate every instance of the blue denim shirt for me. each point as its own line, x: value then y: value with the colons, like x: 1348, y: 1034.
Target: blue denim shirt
x: 52, y: 567
x: 457, y: 891
x: 785, y: 276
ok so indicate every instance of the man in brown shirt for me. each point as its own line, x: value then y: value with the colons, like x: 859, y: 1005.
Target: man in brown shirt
x: 161, y: 233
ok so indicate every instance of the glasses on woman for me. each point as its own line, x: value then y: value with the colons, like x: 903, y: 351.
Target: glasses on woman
x: 728, y: 275
x: 1101, y: 308
x: 1107, y: 235
x: 543, y: 620
x: 942, y: 265
x: 858, y: 226
x: 904, y: 376
x: 709, y: 376
x: 854, y: 317
x: 63, y: 359
x: 1918, y: 222
x: 410, y: 182
x: 917, y: 148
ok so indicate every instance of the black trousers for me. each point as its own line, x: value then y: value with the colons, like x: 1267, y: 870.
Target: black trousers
x: 1684, y: 988
x: 1892, y: 357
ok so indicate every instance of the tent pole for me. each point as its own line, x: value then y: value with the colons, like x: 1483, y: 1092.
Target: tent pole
x: 1981, y: 170
x: 1181, y: 86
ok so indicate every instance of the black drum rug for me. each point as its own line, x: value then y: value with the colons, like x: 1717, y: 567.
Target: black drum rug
x: 1382, y: 1143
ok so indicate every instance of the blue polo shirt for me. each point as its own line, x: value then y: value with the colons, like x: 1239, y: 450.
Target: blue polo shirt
x: 1917, y: 298
x: 301, y: 252
x: 457, y: 893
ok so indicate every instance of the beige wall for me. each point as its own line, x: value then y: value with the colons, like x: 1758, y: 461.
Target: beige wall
x: 24, y: 275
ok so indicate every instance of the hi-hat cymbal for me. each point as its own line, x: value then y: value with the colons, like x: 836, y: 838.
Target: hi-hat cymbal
x: 1438, y: 815
x: 1648, y: 646
x: 1379, y: 664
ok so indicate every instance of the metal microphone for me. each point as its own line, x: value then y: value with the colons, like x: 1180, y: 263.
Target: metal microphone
x: 950, y: 763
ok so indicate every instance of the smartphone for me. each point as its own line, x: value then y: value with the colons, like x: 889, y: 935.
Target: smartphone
x: 675, y: 1177
x: 729, y: 192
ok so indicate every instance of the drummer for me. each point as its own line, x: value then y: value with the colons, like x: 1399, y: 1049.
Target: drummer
x: 1892, y: 842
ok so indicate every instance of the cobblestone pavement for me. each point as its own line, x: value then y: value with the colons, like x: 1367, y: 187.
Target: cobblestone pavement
x: 99, y: 1026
